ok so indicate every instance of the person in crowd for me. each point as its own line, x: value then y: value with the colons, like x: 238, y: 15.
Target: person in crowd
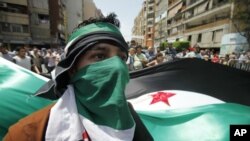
x: 150, y: 54
x: 37, y: 60
x: 133, y: 61
x: 215, y: 58
x: 142, y: 57
x: 132, y: 44
x: 170, y: 51
x: 51, y: 60
x: 23, y: 60
x: 159, y: 59
x: 91, y: 83
x: 5, y: 53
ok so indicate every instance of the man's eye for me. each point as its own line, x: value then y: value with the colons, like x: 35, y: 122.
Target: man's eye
x: 99, y: 57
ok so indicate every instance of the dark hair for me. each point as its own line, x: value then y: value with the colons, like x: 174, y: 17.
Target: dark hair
x: 139, y: 46
x: 110, y: 18
x: 159, y: 55
x: 19, y: 48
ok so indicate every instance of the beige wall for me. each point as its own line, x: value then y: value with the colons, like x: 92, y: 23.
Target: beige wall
x: 20, y: 2
x: 40, y: 32
x: 14, y: 18
x: 90, y: 9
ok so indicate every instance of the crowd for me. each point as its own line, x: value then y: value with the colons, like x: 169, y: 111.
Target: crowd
x: 43, y: 61
x: 140, y: 58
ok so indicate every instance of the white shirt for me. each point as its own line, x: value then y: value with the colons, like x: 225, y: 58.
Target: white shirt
x: 23, y: 62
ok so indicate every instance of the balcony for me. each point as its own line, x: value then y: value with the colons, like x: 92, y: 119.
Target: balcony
x: 14, y: 18
x: 209, y: 25
x: 170, y: 6
x: 151, y: 5
x: 210, y: 13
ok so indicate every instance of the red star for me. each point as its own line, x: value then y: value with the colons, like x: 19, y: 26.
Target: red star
x: 161, y: 96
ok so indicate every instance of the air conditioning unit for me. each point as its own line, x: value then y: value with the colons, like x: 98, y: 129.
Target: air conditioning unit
x: 3, y: 5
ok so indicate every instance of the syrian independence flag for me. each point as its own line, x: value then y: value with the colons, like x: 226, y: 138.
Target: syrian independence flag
x: 190, y: 99
x: 17, y: 88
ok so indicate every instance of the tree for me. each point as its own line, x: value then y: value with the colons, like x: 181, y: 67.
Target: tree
x: 241, y: 18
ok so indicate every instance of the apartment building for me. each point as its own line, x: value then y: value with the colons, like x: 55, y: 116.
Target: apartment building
x: 78, y: 11
x: 58, y: 24
x: 150, y: 18
x: 39, y: 23
x: 160, y: 25
x: 90, y: 10
x: 138, y: 30
x: 201, y: 22
x: 14, y: 22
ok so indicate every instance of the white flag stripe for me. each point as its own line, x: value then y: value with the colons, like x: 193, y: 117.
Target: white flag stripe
x: 181, y: 99
x: 105, y: 133
x: 66, y: 124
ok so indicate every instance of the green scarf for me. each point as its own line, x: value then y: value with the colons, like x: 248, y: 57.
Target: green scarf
x: 99, y: 91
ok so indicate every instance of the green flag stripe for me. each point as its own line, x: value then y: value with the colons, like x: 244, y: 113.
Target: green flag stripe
x: 209, y: 122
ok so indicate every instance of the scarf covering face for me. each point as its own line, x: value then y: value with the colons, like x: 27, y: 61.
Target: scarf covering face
x: 99, y: 90
x: 94, y: 105
x: 81, y: 40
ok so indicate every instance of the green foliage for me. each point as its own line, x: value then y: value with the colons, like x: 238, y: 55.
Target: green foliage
x: 163, y: 45
x: 181, y: 45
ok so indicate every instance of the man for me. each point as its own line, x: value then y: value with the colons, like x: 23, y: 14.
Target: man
x: 150, y: 54
x: 133, y: 61
x: 5, y: 53
x: 90, y: 81
x: 22, y: 59
x: 51, y: 58
x: 37, y: 59
x: 142, y: 57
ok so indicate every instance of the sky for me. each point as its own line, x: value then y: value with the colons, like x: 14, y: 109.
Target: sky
x: 126, y: 11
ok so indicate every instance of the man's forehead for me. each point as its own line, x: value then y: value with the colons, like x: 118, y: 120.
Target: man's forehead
x: 105, y: 46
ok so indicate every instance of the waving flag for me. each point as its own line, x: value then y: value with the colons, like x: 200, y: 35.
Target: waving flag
x: 190, y: 100
x: 181, y: 100
x: 17, y: 86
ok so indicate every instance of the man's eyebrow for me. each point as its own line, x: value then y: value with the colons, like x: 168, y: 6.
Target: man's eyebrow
x: 98, y: 48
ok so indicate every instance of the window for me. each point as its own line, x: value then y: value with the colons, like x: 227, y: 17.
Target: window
x: 25, y: 29
x: 149, y: 29
x: 16, y: 28
x: 6, y: 27
x: 199, y: 38
x: 149, y: 36
x: 44, y: 19
x: 189, y: 37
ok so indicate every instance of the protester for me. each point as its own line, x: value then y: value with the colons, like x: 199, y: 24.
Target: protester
x: 5, y: 53
x: 150, y: 54
x: 133, y: 61
x: 51, y: 60
x: 142, y: 57
x: 90, y: 81
x: 37, y: 60
x: 159, y: 59
x: 22, y: 59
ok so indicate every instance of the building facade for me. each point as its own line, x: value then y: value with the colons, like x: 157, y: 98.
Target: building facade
x: 39, y: 23
x: 78, y: 11
x: 58, y: 24
x: 14, y: 22
x: 160, y: 33
x: 201, y: 22
x: 144, y: 24
x: 138, y: 29
x: 149, y: 5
